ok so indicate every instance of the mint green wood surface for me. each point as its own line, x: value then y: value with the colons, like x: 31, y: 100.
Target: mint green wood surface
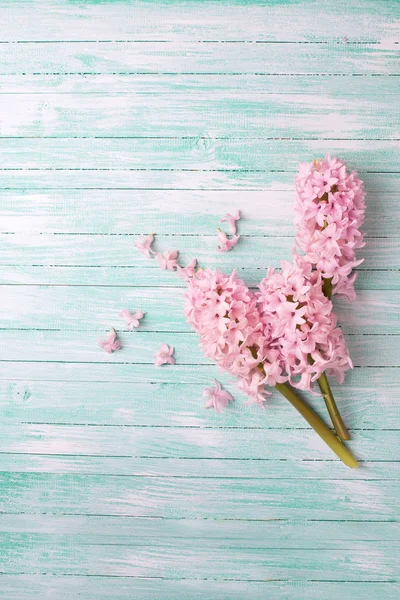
x: 124, y: 117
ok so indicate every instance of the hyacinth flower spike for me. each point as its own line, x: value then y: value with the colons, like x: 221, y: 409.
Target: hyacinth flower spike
x: 329, y: 211
x: 303, y: 327
x: 227, y: 317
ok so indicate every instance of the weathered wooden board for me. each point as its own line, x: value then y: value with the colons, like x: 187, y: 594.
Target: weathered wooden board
x: 67, y: 555
x: 367, y: 21
x: 203, y: 468
x: 94, y: 309
x: 172, y: 498
x: 27, y: 587
x: 246, y: 84
x: 124, y: 117
x: 194, y: 57
x: 35, y: 346
x: 367, y: 400
x: 168, y: 115
x: 126, y: 276
x: 193, y: 442
x: 99, y: 250
x: 267, y: 212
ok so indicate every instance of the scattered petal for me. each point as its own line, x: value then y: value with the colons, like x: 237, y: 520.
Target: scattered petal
x: 226, y: 244
x: 232, y: 221
x: 144, y: 245
x: 110, y: 344
x: 217, y: 397
x: 167, y: 260
x: 164, y: 356
x: 131, y: 319
x: 188, y: 271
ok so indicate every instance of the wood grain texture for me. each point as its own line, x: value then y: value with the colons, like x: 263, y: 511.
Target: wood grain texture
x: 123, y: 117
x: 168, y: 115
x: 27, y: 587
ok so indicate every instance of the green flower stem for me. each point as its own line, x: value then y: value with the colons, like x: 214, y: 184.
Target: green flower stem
x: 324, y: 386
x: 319, y: 426
x: 333, y: 410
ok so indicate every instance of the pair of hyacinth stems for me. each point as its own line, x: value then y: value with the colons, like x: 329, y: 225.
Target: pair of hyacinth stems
x: 332, y: 440
x: 334, y: 443
x: 324, y: 386
x: 329, y: 437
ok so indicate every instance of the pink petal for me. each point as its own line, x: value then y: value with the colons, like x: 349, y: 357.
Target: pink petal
x: 111, y: 343
x: 111, y: 337
x: 217, y: 386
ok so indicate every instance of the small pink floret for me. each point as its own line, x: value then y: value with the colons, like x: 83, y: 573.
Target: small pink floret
x: 143, y: 244
x: 131, y: 319
x: 216, y: 397
x: 167, y: 260
x: 232, y: 221
x: 164, y: 356
x: 110, y: 344
x: 226, y: 244
x: 187, y: 272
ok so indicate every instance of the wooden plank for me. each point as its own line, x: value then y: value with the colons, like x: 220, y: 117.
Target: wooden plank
x: 367, y: 400
x: 266, y: 212
x: 65, y: 555
x: 131, y: 531
x: 189, y: 180
x: 204, y: 468
x: 199, y: 114
x: 218, y: 499
x: 377, y: 279
x: 65, y: 308
x: 368, y: 20
x: 194, y: 153
x: 29, y: 587
x: 123, y: 372
x: 140, y: 348
x: 161, y: 83
x: 194, y: 442
x: 195, y: 57
x: 252, y: 252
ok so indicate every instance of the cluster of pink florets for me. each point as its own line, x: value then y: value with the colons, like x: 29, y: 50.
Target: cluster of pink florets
x: 299, y: 322
x: 329, y: 212
x: 224, y: 313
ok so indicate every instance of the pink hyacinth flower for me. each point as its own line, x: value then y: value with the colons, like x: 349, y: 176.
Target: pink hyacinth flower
x: 164, y: 356
x: 144, y: 245
x: 224, y: 313
x: 226, y: 244
x: 188, y: 271
x: 329, y: 213
x: 301, y: 324
x: 131, y: 319
x: 110, y: 344
x: 217, y: 397
x: 167, y: 260
x: 232, y: 221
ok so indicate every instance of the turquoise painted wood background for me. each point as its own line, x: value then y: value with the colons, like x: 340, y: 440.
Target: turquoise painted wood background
x: 120, y: 118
